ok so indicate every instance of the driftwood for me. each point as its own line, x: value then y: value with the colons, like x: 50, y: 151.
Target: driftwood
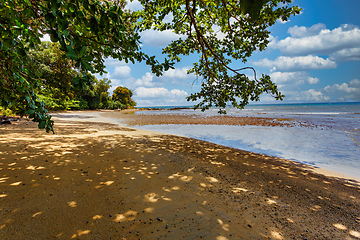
x: 7, y: 120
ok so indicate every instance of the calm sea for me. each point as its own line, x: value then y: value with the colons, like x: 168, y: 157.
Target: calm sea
x: 334, y: 144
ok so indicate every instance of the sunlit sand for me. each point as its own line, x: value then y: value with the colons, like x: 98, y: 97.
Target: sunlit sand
x: 97, y: 180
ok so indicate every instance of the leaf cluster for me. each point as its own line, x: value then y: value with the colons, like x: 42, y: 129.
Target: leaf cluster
x: 222, y: 33
x: 123, y: 95
x: 88, y: 31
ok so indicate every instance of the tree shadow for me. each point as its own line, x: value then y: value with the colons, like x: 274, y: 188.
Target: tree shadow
x: 81, y: 184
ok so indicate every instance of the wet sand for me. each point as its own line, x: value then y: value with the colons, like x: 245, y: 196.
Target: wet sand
x: 96, y: 180
x: 129, y: 118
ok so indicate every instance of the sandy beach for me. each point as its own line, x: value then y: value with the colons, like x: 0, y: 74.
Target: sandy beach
x: 94, y: 179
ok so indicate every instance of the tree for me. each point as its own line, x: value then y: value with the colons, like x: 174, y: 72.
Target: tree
x: 88, y: 32
x: 220, y: 32
x: 123, y: 95
x: 102, y: 91
x: 53, y: 71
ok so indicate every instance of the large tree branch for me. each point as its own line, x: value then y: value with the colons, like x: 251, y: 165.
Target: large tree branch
x: 205, y: 44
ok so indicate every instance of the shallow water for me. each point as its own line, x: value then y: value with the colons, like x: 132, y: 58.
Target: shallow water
x: 334, y: 144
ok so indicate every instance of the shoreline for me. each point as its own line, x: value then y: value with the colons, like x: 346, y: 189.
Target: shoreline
x: 129, y: 119
x: 101, y: 180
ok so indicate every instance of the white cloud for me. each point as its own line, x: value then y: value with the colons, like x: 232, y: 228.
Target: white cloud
x: 143, y: 92
x: 177, y: 74
x: 313, y: 81
x: 337, y: 92
x: 113, y: 62
x: 122, y: 76
x: 291, y: 64
x: 303, y: 42
x: 158, y: 39
x: 292, y: 79
x: 349, y: 54
x: 300, y: 32
x: 146, y: 80
x: 159, y: 96
x: 121, y: 72
x: 312, y: 96
x: 345, y: 91
x: 272, y: 42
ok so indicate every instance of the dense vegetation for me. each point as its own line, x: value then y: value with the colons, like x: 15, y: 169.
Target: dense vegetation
x: 57, y: 89
x: 88, y: 31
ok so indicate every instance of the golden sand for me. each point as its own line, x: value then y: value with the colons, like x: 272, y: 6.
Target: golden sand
x: 95, y: 180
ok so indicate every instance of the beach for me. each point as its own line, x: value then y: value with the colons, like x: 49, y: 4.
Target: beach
x: 325, y: 136
x: 96, y: 179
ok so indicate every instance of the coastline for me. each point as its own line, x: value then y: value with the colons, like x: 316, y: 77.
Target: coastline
x: 198, y: 123
x: 94, y: 179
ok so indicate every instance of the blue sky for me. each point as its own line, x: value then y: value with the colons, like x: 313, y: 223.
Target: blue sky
x: 314, y: 57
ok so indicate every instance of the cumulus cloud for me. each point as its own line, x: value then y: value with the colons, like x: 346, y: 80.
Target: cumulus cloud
x: 300, y: 32
x: 146, y: 80
x: 301, y: 63
x: 345, y: 91
x: 121, y: 72
x: 158, y: 39
x: 318, y: 40
x: 349, y: 54
x: 312, y: 95
x: 336, y: 92
x: 177, y: 74
x: 159, y: 96
x: 121, y: 75
x: 143, y: 92
x: 293, y: 78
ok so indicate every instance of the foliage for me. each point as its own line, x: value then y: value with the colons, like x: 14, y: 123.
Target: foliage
x: 114, y: 105
x: 88, y: 31
x: 53, y: 71
x: 123, y: 95
x: 56, y: 88
x: 220, y: 32
x: 6, y: 112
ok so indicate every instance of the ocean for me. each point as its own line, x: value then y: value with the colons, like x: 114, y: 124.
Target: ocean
x: 332, y: 142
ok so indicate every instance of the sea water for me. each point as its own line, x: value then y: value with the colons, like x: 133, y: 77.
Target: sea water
x: 332, y: 142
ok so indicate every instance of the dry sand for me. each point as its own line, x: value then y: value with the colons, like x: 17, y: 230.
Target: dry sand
x: 94, y: 180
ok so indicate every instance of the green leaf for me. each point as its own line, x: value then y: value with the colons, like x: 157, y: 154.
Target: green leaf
x: 66, y: 33
x: 54, y: 37
x: 82, y: 51
x: 30, y: 111
x: 42, y: 124
x: 252, y: 7
x: 49, y: 17
x: 7, y: 43
x: 87, y: 66
x: 71, y: 53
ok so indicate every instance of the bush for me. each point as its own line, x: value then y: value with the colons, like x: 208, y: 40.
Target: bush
x: 77, y: 104
x: 115, y: 105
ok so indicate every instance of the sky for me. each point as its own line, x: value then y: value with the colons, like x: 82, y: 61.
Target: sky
x: 313, y: 57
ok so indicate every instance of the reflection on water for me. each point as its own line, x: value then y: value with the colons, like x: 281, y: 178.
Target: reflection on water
x: 332, y: 141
